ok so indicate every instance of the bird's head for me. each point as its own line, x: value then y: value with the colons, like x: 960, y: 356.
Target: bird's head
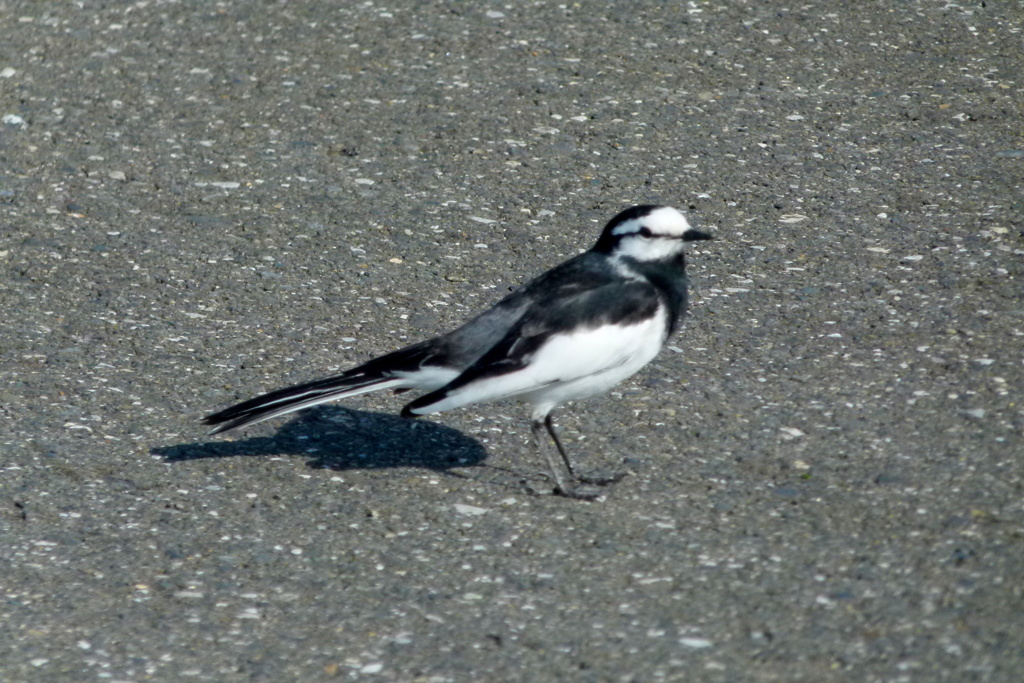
x: 648, y: 233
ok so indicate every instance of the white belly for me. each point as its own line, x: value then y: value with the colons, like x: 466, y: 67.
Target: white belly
x: 644, y: 344
x: 568, y: 367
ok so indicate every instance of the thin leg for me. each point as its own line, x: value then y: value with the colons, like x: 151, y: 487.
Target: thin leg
x: 598, y: 481
x: 561, y: 451
x: 538, y: 438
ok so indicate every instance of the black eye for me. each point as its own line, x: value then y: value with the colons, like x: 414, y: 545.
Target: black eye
x: 645, y: 232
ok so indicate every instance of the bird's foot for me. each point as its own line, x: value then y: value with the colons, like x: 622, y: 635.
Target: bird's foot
x: 579, y: 493
x: 602, y: 481
x: 582, y: 488
x: 588, y: 493
x: 588, y: 487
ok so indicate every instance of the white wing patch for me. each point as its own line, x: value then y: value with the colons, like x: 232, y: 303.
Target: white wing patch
x: 427, y: 377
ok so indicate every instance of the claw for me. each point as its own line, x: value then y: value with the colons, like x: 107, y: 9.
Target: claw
x: 576, y: 494
x: 602, y: 481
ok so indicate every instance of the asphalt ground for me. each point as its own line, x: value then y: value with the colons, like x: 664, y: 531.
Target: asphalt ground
x: 203, y: 201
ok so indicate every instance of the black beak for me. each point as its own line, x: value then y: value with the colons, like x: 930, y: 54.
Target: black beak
x: 694, y: 235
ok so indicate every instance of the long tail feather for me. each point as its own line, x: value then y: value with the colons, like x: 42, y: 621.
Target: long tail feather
x: 290, y: 399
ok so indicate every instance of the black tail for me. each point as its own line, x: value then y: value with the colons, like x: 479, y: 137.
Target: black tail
x: 290, y: 399
x: 379, y: 373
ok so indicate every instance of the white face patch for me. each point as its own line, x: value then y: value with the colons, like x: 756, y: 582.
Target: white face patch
x: 662, y: 221
x: 648, y: 248
x: 654, y: 237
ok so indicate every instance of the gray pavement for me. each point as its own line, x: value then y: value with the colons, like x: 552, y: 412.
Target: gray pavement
x: 203, y: 201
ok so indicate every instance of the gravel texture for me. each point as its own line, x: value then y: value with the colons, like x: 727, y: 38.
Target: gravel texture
x: 203, y: 201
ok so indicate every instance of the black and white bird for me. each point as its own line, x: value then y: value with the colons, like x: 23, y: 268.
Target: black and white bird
x: 573, y: 332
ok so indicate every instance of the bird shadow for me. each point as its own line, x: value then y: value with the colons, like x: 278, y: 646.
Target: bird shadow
x: 337, y: 438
